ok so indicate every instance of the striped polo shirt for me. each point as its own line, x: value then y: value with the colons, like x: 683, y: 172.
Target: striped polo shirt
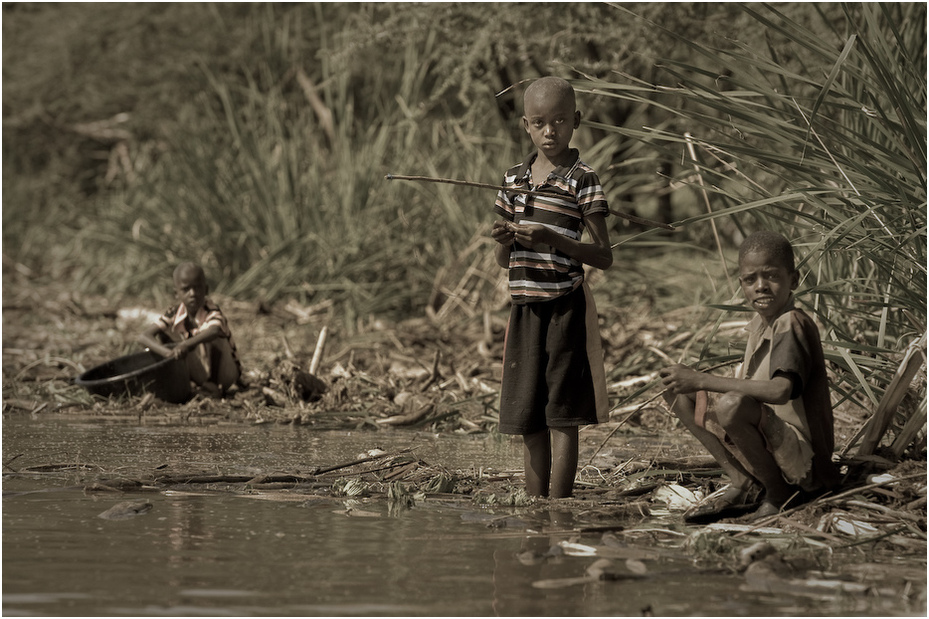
x: 569, y: 194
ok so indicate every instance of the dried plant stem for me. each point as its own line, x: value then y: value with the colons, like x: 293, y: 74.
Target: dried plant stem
x: 709, y: 209
x: 318, y: 353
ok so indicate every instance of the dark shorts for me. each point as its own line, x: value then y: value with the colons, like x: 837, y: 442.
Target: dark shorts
x: 546, y: 374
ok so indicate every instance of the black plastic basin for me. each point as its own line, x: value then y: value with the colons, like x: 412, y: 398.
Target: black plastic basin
x: 139, y: 373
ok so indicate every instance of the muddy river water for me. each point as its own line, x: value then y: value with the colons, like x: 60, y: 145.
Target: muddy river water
x: 220, y: 554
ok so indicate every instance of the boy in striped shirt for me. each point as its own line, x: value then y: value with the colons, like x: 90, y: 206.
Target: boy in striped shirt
x: 199, y: 332
x: 553, y: 378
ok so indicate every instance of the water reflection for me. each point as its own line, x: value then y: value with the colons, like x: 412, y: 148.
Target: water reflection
x: 208, y: 553
x: 212, y: 553
x: 538, y: 558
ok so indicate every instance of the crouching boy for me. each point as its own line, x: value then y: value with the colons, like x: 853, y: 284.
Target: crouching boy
x: 195, y: 329
x: 771, y: 427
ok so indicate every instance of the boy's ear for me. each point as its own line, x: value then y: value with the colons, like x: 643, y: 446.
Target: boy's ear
x: 794, y: 279
x: 526, y: 124
x: 577, y: 119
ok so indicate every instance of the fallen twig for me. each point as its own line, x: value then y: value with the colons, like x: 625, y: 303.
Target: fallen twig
x: 6, y: 464
x: 407, y: 418
x: 360, y: 461
x: 827, y: 536
x: 894, y: 513
x: 47, y: 361
x: 830, y: 499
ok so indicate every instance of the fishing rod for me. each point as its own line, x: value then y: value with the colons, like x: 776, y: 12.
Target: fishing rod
x: 452, y: 181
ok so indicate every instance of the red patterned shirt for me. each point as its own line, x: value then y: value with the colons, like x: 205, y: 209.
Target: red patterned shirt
x: 174, y: 322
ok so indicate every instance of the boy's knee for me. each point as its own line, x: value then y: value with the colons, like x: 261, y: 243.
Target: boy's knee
x: 681, y: 405
x: 537, y: 440
x: 223, y: 368
x: 732, y: 406
x: 227, y: 376
x: 195, y: 368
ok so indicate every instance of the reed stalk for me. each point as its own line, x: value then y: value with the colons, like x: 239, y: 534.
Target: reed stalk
x: 831, y: 153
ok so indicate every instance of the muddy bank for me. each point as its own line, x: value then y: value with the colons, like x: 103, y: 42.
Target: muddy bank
x: 442, y: 376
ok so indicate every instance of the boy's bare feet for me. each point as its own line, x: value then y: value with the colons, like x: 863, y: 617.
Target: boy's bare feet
x: 770, y: 506
x: 764, y: 510
x: 210, y: 389
x: 728, y: 502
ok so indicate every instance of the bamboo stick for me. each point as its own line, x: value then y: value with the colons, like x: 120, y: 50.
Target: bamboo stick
x: 451, y: 181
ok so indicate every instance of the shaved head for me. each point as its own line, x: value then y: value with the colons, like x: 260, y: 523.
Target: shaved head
x: 190, y: 272
x: 772, y: 244
x: 549, y: 87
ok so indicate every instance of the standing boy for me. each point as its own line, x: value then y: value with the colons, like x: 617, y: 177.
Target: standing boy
x: 771, y: 425
x: 553, y: 379
x: 199, y: 331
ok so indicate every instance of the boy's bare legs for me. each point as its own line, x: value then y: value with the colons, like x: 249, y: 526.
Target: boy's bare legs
x: 537, y: 460
x: 564, y: 461
x: 740, y: 416
x: 683, y: 406
x: 225, y: 371
x: 550, y: 459
x: 212, y: 367
x: 200, y: 372
x: 198, y: 366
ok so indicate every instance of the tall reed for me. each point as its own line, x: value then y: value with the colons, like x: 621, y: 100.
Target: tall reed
x: 279, y: 189
x: 830, y: 151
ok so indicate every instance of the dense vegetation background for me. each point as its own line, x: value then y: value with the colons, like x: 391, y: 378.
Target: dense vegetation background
x: 254, y: 139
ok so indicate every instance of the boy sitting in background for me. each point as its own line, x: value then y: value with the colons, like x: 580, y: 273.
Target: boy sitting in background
x: 199, y: 333
x: 773, y: 424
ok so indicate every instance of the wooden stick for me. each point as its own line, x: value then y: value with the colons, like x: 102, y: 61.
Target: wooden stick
x: 318, y: 353
x: 362, y: 460
x: 643, y: 405
x: 452, y: 181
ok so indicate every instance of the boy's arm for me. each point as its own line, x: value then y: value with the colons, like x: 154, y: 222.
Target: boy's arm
x: 206, y: 335
x: 597, y: 253
x: 504, y: 236
x: 682, y: 379
x: 149, y: 339
x: 502, y: 255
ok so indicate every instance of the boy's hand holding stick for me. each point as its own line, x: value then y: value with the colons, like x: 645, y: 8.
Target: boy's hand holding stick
x: 451, y: 181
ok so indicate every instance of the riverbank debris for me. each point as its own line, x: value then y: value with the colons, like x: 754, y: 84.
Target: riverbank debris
x: 126, y: 510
